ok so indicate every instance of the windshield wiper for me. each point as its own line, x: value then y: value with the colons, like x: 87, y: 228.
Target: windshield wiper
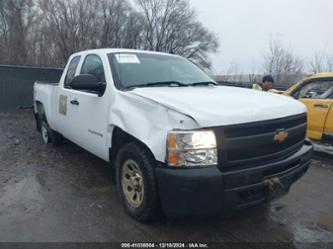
x: 204, y: 83
x: 157, y: 84
x: 172, y: 84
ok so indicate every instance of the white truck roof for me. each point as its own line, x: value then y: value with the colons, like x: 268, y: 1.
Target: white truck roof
x: 119, y: 50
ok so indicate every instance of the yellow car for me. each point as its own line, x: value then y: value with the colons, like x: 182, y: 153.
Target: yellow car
x: 276, y: 91
x: 316, y: 92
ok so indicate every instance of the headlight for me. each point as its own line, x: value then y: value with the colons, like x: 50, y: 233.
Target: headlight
x: 191, y: 148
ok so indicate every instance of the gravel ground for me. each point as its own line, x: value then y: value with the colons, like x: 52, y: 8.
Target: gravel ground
x: 65, y: 194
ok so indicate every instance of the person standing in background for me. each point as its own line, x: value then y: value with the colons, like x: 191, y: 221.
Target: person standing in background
x: 266, y: 85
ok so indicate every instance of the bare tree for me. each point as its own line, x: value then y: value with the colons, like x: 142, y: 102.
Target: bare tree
x: 171, y: 26
x: 72, y: 23
x: 4, y: 33
x: 321, y: 62
x: 46, y: 32
x: 121, y: 26
x: 232, y: 74
x: 282, y: 63
x: 17, y: 18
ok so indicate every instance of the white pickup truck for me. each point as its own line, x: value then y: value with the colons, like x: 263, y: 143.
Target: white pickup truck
x: 181, y: 144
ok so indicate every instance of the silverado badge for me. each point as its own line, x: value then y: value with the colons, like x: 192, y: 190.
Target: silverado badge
x: 280, y: 136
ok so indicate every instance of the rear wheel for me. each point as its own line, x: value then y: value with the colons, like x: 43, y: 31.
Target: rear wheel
x: 45, y: 131
x: 49, y: 135
x: 136, y: 182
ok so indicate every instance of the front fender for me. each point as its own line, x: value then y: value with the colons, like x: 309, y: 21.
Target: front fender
x: 147, y: 121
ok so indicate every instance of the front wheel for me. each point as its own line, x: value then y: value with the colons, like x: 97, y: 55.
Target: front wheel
x: 136, y: 182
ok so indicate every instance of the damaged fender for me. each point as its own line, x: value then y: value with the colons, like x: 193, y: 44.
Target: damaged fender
x: 147, y: 120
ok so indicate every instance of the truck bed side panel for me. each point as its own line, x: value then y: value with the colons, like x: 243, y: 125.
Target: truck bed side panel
x: 46, y: 94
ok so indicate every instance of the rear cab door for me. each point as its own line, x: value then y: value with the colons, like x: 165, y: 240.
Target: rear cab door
x: 315, y: 94
x: 63, y: 110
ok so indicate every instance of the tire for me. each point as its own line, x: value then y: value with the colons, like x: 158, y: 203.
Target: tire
x: 45, y: 132
x: 56, y: 138
x: 49, y: 135
x: 139, y: 181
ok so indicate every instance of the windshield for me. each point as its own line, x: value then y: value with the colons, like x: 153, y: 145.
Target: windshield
x: 144, y: 69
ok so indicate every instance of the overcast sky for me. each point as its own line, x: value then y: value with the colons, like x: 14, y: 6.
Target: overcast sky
x: 244, y: 28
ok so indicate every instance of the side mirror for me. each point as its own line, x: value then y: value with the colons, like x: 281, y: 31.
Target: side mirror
x: 88, y: 82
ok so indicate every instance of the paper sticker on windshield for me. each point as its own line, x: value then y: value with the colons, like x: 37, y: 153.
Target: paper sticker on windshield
x: 127, y: 58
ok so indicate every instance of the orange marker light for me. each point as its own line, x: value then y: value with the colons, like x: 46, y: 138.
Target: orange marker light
x: 172, y: 140
x: 173, y: 158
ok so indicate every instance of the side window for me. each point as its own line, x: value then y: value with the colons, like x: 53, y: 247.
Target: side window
x: 93, y: 65
x: 71, y: 71
x: 328, y: 94
x: 314, y: 90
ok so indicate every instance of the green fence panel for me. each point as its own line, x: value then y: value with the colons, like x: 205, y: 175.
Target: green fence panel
x: 16, y: 85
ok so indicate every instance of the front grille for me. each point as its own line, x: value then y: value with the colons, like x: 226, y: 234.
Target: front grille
x: 253, y: 144
x: 264, y: 127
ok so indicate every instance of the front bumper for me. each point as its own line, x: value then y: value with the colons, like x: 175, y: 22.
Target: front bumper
x: 209, y: 191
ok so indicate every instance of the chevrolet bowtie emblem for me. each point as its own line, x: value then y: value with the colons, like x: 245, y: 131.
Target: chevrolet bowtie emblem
x: 280, y: 136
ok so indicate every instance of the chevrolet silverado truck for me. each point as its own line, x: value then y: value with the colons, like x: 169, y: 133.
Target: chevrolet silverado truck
x: 316, y: 92
x: 181, y: 144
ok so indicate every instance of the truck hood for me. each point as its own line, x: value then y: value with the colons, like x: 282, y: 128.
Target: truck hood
x: 219, y: 106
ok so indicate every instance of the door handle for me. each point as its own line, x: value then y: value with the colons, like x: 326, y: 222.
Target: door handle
x: 320, y: 106
x: 75, y: 102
